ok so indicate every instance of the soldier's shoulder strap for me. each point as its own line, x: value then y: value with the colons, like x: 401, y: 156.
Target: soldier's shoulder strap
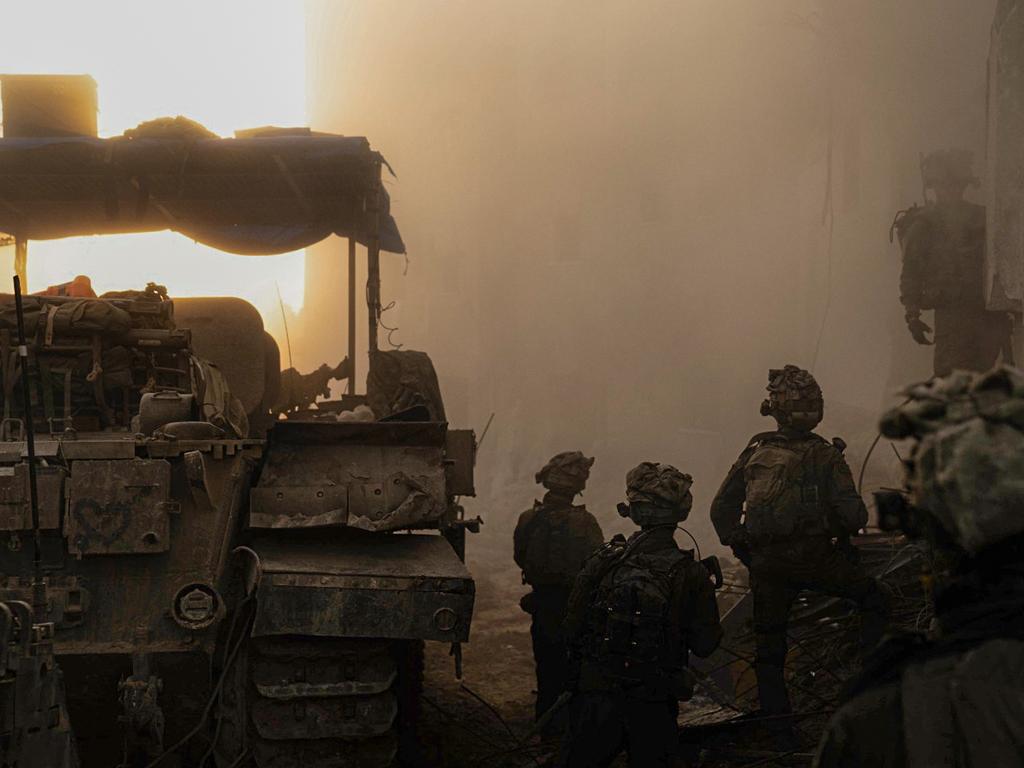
x: 741, y: 461
x: 528, y: 520
x: 814, y: 440
x: 613, y: 554
x: 527, y: 517
x: 613, y: 548
x: 681, y: 561
x: 755, y: 442
x: 760, y: 437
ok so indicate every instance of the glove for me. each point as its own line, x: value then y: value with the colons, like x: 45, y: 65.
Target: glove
x: 918, y: 328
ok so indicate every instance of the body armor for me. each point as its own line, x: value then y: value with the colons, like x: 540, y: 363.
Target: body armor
x: 632, y: 637
x: 783, y: 490
x: 944, y: 256
x: 556, y: 542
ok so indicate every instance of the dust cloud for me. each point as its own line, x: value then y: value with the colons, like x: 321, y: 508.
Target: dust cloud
x: 619, y: 215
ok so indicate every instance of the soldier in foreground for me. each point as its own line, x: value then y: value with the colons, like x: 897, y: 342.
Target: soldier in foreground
x: 787, y: 509
x: 639, y: 608
x: 953, y: 698
x: 943, y: 247
x: 551, y: 542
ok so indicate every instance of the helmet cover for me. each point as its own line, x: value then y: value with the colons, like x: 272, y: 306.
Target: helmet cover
x: 794, y: 398
x: 652, y: 489
x: 966, y: 471
x: 567, y: 471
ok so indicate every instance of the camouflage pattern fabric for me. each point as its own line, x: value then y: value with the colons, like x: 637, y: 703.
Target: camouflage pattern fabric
x: 794, y: 398
x: 968, y: 461
x: 953, y: 698
x: 615, y: 707
x: 788, y: 494
x: 569, y: 470
x: 792, y: 383
x: 660, y: 485
x: 822, y: 482
x: 551, y: 542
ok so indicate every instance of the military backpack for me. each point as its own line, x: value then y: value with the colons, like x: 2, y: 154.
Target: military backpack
x: 556, y: 545
x: 783, y: 491
x: 633, y: 633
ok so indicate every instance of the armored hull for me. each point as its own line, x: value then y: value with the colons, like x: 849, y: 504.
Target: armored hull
x: 233, y: 597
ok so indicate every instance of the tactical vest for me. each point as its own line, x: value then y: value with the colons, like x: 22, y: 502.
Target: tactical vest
x: 632, y: 630
x: 555, y: 548
x: 783, y: 491
x: 956, y: 259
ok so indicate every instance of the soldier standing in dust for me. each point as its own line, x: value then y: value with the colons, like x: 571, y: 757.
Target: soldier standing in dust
x: 954, y: 697
x: 787, y: 508
x: 943, y: 247
x: 639, y: 608
x: 551, y: 541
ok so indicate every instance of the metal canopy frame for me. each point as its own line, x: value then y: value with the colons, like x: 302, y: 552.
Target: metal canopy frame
x: 373, y: 211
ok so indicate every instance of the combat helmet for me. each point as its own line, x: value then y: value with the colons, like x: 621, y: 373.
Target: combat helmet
x: 965, y: 474
x: 566, y: 472
x: 794, y: 398
x: 657, y: 494
x: 948, y: 166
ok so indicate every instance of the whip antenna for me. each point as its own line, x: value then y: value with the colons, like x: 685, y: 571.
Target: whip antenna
x: 38, y: 584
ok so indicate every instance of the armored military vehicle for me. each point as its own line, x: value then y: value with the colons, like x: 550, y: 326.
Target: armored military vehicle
x: 226, y: 585
x: 34, y: 727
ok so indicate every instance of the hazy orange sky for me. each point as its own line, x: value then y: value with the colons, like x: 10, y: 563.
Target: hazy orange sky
x: 230, y: 64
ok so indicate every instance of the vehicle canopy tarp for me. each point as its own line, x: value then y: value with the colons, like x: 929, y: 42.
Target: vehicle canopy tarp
x: 251, y: 196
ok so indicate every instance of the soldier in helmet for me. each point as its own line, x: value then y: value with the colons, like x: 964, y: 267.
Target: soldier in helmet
x: 955, y: 697
x: 639, y: 608
x: 787, y: 509
x: 943, y: 247
x: 551, y: 541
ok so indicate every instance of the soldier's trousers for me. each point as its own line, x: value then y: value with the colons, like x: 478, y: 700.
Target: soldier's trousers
x: 602, y: 724
x: 777, y: 575
x: 550, y: 655
x: 969, y: 339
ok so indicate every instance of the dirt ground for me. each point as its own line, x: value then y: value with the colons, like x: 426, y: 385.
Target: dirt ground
x: 459, y: 730
x: 486, y: 718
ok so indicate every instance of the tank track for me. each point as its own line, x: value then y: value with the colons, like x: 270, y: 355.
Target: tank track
x: 324, y: 702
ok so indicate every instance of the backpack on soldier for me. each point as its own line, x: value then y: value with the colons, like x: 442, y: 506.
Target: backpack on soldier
x: 555, y: 547
x: 633, y: 633
x: 782, y: 491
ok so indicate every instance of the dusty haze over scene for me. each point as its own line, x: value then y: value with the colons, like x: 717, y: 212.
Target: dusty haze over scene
x: 227, y: 541
x: 619, y: 215
x: 207, y: 61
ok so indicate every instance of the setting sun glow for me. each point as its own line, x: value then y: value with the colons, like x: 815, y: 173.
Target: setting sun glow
x: 228, y: 65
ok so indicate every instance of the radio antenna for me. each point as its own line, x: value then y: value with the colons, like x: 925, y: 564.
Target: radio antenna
x: 38, y: 583
x: 284, y: 319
